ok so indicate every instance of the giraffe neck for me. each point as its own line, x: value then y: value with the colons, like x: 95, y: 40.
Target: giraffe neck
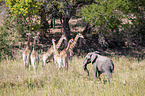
x: 54, y: 46
x: 28, y: 43
x: 68, y: 46
x: 73, y: 44
x: 76, y: 39
x: 34, y: 44
x: 59, y: 42
x: 57, y: 46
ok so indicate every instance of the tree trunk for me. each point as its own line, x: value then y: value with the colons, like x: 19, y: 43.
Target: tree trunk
x: 51, y: 21
x: 66, y: 27
x: 88, y: 29
x: 43, y: 22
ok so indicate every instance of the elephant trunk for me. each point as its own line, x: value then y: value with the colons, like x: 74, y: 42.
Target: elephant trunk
x: 85, y: 63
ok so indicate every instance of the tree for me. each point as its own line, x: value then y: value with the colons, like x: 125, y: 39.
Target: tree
x: 29, y: 13
x: 107, y: 16
x: 65, y: 9
x: 137, y: 7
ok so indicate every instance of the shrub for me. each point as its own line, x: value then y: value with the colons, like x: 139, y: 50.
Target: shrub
x: 9, y: 37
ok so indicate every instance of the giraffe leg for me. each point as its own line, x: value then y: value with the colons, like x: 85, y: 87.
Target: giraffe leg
x: 24, y: 60
x: 37, y: 63
x: 27, y: 62
x: 63, y: 62
x: 59, y: 63
x: 43, y: 61
x: 66, y: 63
x: 33, y: 64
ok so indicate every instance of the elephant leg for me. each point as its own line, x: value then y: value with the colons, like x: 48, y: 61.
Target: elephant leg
x: 98, y: 75
x: 95, y: 72
x: 109, y: 77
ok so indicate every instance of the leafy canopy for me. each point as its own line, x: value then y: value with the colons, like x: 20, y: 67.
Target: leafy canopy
x: 25, y: 11
x: 106, y: 14
x: 23, y: 7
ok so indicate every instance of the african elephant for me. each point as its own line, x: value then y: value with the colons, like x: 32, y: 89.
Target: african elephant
x: 101, y: 64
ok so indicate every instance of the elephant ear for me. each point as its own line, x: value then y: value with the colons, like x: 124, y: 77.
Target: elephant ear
x: 93, y: 58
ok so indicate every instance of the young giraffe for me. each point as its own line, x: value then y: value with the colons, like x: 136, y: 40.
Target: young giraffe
x: 34, y: 54
x: 79, y: 35
x: 61, y: 58
x: 26, y: 53
x: 49, y: 52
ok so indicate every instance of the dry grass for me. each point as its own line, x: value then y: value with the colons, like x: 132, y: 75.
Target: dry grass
x: 128, y: 79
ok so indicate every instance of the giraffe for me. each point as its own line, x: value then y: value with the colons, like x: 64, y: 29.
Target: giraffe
x: 49, y: 52
x: 34, y: 54
x: 61, y: 58
x: 72, y: 46
x: 26, y: 53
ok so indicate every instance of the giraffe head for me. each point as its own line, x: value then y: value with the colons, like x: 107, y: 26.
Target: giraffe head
x: 80, y: 35
x: 36, y: 38
x: 63, y: 37
x: 53, y: 40
x: 71, y: 41
x: 28, y: 34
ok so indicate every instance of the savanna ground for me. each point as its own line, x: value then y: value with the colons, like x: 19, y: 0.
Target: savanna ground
x: 128, y: 77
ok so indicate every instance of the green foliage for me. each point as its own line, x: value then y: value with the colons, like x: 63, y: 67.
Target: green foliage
x: 26, y: 12
x: 114, y: 18
x: 9, y: 36
x: 66, y: 8
x: 23, y: 7
x: 104, y: 15
x: 63, y: 8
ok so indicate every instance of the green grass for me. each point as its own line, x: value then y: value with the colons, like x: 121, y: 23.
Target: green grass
x: 128, y: 79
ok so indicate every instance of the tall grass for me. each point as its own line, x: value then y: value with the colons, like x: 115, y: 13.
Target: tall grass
x: 128, y: 79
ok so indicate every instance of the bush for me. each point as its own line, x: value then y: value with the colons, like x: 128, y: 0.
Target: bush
x: 9, y: 37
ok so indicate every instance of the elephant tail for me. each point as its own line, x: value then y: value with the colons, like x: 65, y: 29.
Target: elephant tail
x: 112, y: 67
